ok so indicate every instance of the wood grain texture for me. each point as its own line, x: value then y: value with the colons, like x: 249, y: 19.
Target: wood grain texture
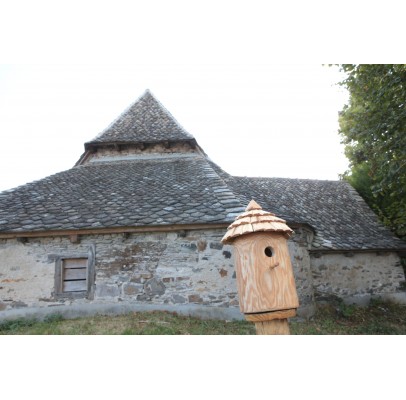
x: 274, y: 327
x: 255, y: 219
x: 75, y: 263
x: 71, y: 274
x: 264, y: 283
x: 253, y: 205
x: 74, y: 286
x: 124, y: 229
x: 269, y: 316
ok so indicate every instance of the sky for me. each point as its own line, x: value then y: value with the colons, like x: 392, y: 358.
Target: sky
x: 246, y: 79
x: 274, y: 120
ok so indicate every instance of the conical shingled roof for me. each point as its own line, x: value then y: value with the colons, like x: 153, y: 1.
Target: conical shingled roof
x: 254, y: 219
x: 146, y: 121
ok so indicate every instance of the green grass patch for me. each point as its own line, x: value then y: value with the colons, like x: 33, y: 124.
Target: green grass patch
x: 145, y: 323
x: 379, y: 318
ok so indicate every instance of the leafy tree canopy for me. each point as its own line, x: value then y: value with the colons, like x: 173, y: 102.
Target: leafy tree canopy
x: 373, y: 129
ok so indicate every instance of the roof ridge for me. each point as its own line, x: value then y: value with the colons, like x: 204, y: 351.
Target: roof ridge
x: 147, y: 91
x: 146, y: 120
x: 121, y: 114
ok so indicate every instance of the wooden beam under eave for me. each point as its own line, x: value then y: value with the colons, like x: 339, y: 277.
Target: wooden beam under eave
x: 100, y: 231
x: 74, y: 239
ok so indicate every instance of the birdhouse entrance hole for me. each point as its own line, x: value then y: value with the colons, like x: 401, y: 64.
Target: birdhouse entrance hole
x: 269, y: 251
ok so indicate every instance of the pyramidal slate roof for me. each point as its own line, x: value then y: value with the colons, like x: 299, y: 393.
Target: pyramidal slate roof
x: 145, y: 121
x: 158, y: 189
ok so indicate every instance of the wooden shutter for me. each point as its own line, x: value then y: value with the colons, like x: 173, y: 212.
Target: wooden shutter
x: 74, y: 275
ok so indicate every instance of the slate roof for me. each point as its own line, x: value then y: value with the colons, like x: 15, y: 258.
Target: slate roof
x: 340, y: 217
x: 145, y: 121
x: 154, y: 189
x: 157, y: 191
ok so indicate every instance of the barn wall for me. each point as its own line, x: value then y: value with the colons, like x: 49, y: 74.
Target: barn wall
x: 177, y: 268
x: 26, y: 277
x: 298, y: 246
x: 356, y: 274
x: 161, y: 268
x: 180, y: 269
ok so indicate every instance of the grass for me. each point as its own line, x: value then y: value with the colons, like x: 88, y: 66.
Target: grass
x: 379, y: 318
x: 376, y: 319
x: 146, y: 323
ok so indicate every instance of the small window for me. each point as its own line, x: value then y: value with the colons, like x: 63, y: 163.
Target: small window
x: 74, y: 275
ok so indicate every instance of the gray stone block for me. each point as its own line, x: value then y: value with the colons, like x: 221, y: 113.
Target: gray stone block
x: 177, y: 299
x: 131, y: 289
x: 105, y: 290
x: 154, y: 287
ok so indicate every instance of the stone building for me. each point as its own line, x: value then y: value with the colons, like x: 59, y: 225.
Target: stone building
x: 137, y: 223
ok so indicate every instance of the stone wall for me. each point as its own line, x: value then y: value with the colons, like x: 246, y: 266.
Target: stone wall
x: 161, y: 268
x: 351, y: 275
x: 167, y: 268
x: 131, y: 150
x: 298, y: 245
x: 176, y: 268
x: 26, y: 277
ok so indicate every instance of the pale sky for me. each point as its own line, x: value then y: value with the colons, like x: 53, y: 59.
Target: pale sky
x: 269, y: 120
x: 244, y: 78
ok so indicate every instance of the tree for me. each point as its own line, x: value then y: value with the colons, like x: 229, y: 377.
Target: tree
x: 373, y: 129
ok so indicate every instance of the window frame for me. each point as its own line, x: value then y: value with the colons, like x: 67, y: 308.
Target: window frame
x: 90, y: 275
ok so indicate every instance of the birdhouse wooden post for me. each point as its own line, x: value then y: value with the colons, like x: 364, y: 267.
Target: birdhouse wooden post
x: 266, y: 285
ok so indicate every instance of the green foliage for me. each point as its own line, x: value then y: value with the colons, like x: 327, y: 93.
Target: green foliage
x: 360, y: 179
x: 11, y: 326
x: 373, y: 129
x: 346, y: 310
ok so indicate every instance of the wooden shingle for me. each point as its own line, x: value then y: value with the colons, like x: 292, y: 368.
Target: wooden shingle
x: 254, y: 219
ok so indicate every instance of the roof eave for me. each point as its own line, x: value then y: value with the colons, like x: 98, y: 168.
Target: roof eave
x: 401, y: 251
x: 112, y: 230
x: 91, y: 147
x: 95, y: 144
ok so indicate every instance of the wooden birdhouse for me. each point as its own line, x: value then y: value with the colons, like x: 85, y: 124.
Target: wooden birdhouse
x: 265, y: 280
